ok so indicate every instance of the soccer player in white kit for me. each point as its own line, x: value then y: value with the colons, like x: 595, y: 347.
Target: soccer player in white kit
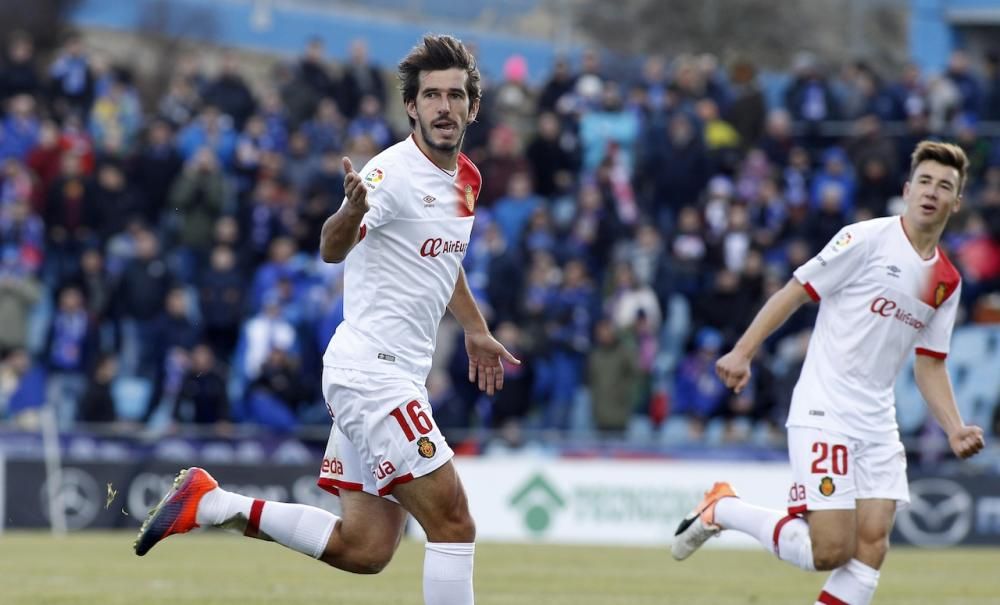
x: 885, y: 289
x: 403, y: 229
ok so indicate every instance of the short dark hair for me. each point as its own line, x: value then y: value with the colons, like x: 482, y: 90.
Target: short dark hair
x: 437, y: 53
x: 942, y: 153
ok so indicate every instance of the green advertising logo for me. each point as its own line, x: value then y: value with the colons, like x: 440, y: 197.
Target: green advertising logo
x: 537, y: 500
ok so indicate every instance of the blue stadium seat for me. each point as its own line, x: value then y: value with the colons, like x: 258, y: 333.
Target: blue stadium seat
x: 639, y: 429
x: 131, y: 395
x: 675, y: 431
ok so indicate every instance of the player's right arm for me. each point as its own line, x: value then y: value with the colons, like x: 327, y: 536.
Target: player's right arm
x: 342, y: 230
x: 734, y: 367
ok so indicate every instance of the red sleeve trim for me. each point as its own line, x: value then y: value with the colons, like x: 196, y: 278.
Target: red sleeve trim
x: 930, y: 353
x: 362, y: 232
x: 798, y: 510
x: 811, y: 291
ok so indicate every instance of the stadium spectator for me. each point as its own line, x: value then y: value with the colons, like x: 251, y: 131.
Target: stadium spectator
x: 699, y: 395
x: 19, y: 292
x: 264, y: 332
x: 202, y: 398
x: 361, y: 78
x: 139, y: 299
x: 97, y: 405
x: 612, y: 378
x: 19, y: 70
x: 278, y: 393
x: 229, y: 92
x: 154, y: 168
x: 22, y: 387
x: 72, y: 79
x: 69, y: 354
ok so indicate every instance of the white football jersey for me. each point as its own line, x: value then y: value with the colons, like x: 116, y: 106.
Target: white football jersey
x: 401, y: 275
x: 879, y: 300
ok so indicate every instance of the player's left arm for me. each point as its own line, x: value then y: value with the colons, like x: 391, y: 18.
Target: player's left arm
x: 484, y: 350
x: 935, y: 385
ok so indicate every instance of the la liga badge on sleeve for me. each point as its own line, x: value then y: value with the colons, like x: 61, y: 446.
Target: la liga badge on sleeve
x: 470, y: 199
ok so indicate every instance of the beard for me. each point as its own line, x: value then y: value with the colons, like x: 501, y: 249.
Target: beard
x: 425, y: 133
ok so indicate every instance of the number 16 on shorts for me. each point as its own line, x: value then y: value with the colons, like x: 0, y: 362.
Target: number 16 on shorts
x: 415, y: 421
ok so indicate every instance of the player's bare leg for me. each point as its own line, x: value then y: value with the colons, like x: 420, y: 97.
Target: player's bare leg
x: 367, y: 536
x: 875, y: 520
x: 438, y: 502
x: 833, y: 536
x: 856, y: 580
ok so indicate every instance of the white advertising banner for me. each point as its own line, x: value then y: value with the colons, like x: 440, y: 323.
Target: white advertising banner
x: 619, y: 502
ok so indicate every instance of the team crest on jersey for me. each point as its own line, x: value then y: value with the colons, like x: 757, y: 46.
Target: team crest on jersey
x: 842, y: 241
x: 940, y: 293
x: 426, y: 447
x: 826, y: 486
x: 374, y: 178
x: 470, y: 199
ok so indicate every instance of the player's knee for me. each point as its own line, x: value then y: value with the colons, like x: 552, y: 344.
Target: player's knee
x: 461, y: 527
x: 456, y: 526
x: 872, y: 549
x: 827, y: 557
x: 374, y: 560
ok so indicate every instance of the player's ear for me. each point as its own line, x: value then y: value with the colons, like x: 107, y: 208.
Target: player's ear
x: 411, y: 108
x: 473, y: 110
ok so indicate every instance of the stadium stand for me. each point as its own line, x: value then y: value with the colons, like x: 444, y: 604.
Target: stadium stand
x: 642, y: 220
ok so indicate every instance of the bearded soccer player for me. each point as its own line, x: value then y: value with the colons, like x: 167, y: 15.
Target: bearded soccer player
x: 403, y: 230
x: 885, y: 289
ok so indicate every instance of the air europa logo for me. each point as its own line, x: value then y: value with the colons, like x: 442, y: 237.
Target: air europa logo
x: 435, y: 246
x: 888, y: 308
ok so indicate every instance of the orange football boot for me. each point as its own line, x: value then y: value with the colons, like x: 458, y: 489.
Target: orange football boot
x: 699, y: 525
x: 176, y: 512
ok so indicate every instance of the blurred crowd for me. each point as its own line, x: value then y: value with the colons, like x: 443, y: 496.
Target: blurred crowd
x: 158, y: 259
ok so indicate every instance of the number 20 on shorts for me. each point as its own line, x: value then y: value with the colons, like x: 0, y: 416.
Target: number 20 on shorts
x: 829, y: 460
x: 414, y: 416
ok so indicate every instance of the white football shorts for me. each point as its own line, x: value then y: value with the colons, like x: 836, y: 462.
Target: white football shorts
x: 831, y: 471
x: 383, y: 433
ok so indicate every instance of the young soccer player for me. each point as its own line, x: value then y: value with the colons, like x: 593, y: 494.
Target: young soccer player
x: 403, y: 230
x: 885, y: 289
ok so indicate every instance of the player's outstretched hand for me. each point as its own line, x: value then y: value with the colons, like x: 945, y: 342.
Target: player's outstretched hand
x: 967, y: 441
x: 484, y: 360
x: 354, y: 190
x: 734, y: 370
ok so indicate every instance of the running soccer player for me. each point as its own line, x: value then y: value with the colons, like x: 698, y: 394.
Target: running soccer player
x: 885, y: 289
x: 403, y: 230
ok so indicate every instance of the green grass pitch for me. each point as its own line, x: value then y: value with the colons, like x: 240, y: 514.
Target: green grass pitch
x: 213, y: 568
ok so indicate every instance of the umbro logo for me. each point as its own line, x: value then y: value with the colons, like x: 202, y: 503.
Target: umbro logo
x: 429, y: 199
x: 893, y: 270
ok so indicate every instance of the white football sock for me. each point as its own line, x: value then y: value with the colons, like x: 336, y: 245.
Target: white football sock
x: 221, y: 508
x: 448, y: 573
x: 785, y: 536
x: 850, y: 584
x: 302, y: 528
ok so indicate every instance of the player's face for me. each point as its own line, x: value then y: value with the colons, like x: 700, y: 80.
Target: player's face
x: 442, y: 109
x: 932, y: 194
